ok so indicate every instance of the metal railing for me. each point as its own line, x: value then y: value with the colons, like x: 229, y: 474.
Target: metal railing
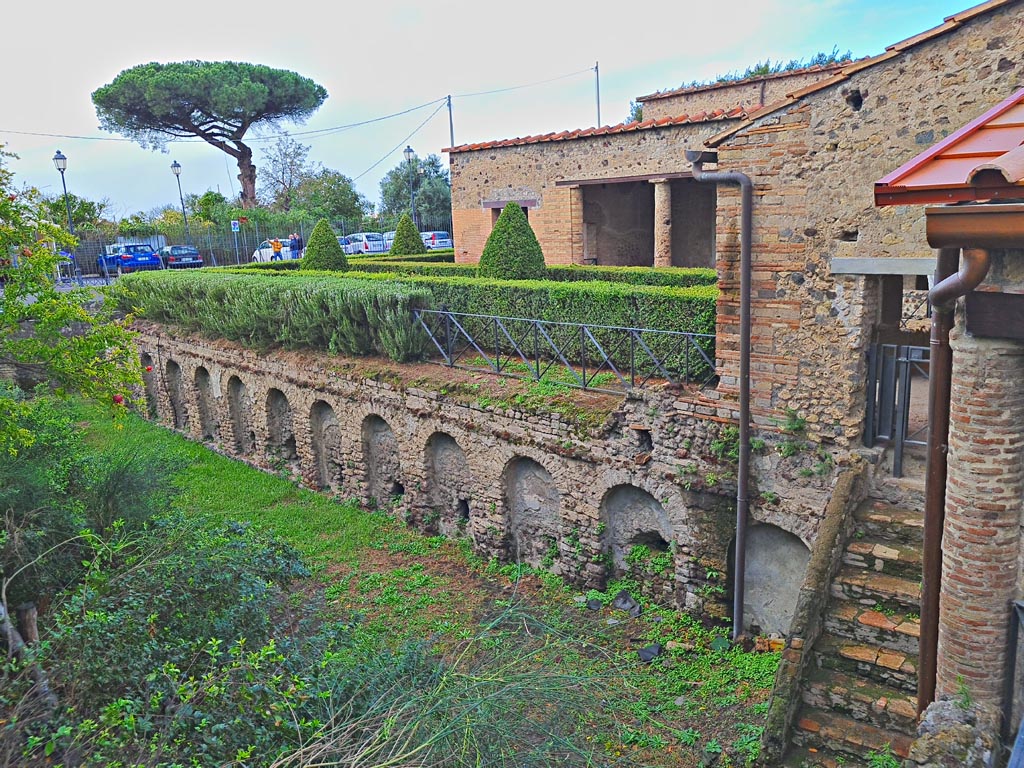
x: 891, y: 376
x: 597, y: 357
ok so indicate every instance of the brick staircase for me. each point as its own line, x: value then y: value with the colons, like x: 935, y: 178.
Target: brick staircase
x: 859, y: 693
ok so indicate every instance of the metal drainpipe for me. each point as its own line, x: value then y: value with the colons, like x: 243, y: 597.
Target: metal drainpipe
x: 743, y: 467
x: 950, y: 287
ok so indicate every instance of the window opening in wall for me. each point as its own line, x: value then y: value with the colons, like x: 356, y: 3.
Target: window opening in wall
x: 644, y: 440
x: 463, y: 514
x: 855, y: 99
x: 397, y: 489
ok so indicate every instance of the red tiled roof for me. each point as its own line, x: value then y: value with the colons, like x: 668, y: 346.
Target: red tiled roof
x: 743, y: 81
x: 949, y: 24
x: 735, y: 113
x: 984, y: 160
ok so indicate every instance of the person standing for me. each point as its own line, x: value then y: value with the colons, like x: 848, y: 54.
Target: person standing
x: 293, y: 246
x: 301, y: 244
x: 275, y: 247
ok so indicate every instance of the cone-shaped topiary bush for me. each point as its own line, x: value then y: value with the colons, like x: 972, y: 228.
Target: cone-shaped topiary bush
x: 512, y: 251
x: 323, y: 252
x: 407, y: 238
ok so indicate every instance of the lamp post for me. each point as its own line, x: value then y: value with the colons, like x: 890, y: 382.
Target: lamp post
x: 176, y: 170
x: 60, y: 161
x: 410, y: 155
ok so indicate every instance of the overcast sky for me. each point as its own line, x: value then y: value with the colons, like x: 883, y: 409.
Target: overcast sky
x: 385, y: 56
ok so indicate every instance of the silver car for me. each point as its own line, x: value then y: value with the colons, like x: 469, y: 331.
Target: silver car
x: 436, y: 240
x: 367, y: 242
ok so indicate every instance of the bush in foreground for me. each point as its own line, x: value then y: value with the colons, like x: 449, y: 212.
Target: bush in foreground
x: 512, y: 251
x: 407, y: 239
x: 323, y: 252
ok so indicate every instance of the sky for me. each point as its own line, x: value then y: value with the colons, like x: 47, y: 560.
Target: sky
x: 383, y: 57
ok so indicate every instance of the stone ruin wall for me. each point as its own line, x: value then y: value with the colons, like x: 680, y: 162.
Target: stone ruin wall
x: 518, y: 485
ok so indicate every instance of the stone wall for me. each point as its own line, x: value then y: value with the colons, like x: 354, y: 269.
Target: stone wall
x: 813, y: 167
x: 517, y: 484
x: 747, y: 94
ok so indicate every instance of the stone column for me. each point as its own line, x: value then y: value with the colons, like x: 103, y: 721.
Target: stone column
x: 662, y: 223
x: 981, y: 537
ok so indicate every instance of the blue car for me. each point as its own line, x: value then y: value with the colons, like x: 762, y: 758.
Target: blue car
x: 130, y: 257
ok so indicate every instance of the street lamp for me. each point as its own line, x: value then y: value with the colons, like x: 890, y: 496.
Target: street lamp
x: 410, y: 155
x: 60, y: 161
x: 176, y: 170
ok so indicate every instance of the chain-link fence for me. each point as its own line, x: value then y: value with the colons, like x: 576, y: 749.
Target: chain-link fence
x: 219, y: 245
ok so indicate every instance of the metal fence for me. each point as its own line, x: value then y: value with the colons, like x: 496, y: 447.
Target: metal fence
x: 599, y: 357
x: 892, y: 372
x: 218, y: 244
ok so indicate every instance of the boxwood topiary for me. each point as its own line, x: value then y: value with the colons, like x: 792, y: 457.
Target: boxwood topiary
x: 512, y: 251
x: 407, y: 238
x: 323, y: 252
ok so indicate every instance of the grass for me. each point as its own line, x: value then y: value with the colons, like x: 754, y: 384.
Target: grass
x: 699, y: 697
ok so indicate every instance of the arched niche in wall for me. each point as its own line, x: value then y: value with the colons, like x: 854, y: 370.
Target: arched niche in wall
x: 325, y: 434
x: 533, y: 509
x: 176, y: 394
x: 207, y: 402
x: 240, y: 409
x: 632, y: 517
x: 448, y: 480
x: 150, y: 385
x: 280, y: 427
x: 775, y: 566
x: 382, y: 460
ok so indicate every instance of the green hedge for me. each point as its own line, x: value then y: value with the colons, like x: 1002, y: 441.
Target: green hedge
x: 322, y: 311
x: 438, y: 256
x: 675, y: 277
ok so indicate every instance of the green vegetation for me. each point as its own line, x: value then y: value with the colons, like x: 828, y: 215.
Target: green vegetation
x: 883, y: 758
x: 407, y: 239
x: 323, y: 252
x: 768, y: 67
x: 512, y: 251
x: 323, y: 311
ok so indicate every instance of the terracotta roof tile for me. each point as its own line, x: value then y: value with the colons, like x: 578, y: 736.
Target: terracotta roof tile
x: 604, y: 130
x: 730, y: 83
x: 983, y: 160
x: 950, y: 24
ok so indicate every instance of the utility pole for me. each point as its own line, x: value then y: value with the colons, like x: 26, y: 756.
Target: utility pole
x: 597, y: 87
x: 451, y: 123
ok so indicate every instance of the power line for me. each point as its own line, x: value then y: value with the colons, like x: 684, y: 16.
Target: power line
x: 403, y: 141
x: 520, y: 87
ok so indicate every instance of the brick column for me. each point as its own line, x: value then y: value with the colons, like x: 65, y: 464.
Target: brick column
x: 662, y: 223
x: 981, y: 537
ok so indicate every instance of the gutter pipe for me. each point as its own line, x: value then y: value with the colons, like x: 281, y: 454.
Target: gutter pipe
x: 950, y: 286
x: 698, y: 158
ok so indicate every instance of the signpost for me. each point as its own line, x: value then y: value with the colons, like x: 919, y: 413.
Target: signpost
x: 235, y: 226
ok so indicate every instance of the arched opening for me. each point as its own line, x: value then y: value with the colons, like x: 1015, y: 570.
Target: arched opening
x: 448, y: 481
x: 382, y: 461
x: 280, y: 429
x: 240, y: 408
x: 533, y: 509
x: 775, y: 566
x: 150, y: 385
x: 326, y: 439
x: 636, y: 530
x: 176, y: 394
x: 206, y: 401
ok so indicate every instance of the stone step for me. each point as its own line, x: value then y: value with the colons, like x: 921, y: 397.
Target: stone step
x: 869, y: 588
x: 893, y: 558
x: 876, y: 625
x: 878, y: 663
x: 862, y: 700
x: 836, y: 733
x: 880, y: 520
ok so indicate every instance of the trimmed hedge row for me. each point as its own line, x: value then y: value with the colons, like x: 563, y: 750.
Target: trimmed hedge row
x: 319, y: 311
x: 675, y: 277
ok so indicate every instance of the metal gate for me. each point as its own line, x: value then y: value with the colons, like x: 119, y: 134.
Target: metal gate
x: 893, y: 371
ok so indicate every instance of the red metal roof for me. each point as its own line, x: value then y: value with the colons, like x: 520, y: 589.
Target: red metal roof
x: 701, y: 117
x: 984, y: 160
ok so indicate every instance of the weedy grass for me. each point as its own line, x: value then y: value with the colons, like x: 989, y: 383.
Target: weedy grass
x: 701, y: 696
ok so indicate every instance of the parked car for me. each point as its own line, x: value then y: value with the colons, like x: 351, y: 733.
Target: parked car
x: 129, y: 257
x: 367, y: 242
x: 436, y: 240
x: 389, y: 239
x: 264, y: 252
x: 345, y: 243
x: 180, y: 256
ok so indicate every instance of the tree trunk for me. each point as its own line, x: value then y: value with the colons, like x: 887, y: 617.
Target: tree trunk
x: 246, y: 175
